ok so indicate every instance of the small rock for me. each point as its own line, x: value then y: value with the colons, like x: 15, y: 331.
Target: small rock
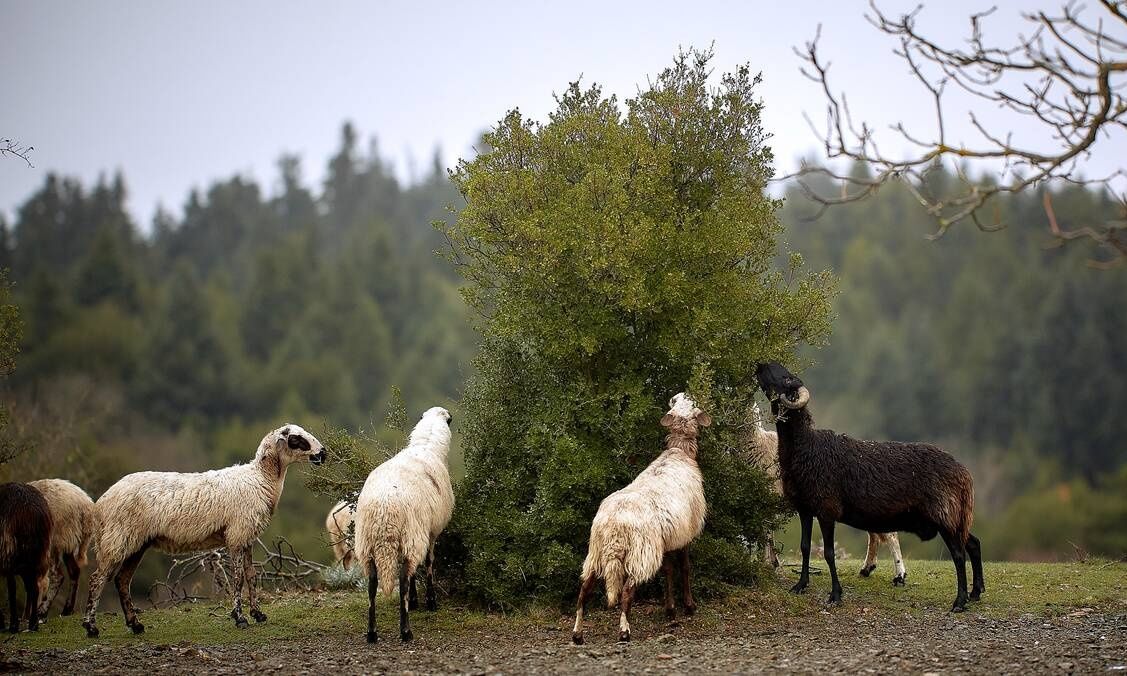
x: 665, y: 638
x: 664, y: 656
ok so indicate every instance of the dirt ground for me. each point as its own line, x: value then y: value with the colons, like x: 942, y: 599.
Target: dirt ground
x: 856, y: 641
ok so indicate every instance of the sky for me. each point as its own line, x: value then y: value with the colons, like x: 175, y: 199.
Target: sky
x: 176, y: 95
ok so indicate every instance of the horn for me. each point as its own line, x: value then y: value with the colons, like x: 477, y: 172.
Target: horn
x: 803, y: 399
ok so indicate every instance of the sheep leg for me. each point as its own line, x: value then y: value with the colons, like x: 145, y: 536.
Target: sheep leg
x: 827, y: 526
x: 74, y: 571
x: 97, y: 584
x: 413, y: 596
x: 51, y: 589
x: 807, y: 521
x: 870, y: 563
x: 31, y: 602
x: 252, y: 586
x: 667, y: 569
x: 123, y: 579
x: 959, y: 557
x: 404, y: 600
x: 894, y: 548
x: 238, y: 560
x: 373, y: 587
x: 769, y: 550
x: 686, y: 587
x: 626, y: 600
x: 13, y: 610
x: 974, y: 550
x: 432, y: 592
x: 584, y: 591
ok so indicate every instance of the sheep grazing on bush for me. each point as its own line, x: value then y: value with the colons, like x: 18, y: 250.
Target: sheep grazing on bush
x: 25, y: 537
x: 72, y: 513
x: 764, y: 445
x: 186, y: 512
x: 875, y: 486
x: 638, y: 528
x: 338, y: 523
x: 403, y: 508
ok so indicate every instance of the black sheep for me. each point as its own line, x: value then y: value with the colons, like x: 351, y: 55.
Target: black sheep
x: 25, y: 538
x: 876, y: 486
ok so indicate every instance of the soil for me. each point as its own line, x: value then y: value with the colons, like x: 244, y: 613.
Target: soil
x: 857, y: 640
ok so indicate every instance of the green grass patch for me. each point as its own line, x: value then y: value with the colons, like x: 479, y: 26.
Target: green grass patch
x: 1012, y: 589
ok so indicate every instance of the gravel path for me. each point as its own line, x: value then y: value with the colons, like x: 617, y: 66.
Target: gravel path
x: 855, y: 640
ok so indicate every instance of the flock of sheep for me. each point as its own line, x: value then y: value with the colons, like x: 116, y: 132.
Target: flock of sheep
x: 406, y: 502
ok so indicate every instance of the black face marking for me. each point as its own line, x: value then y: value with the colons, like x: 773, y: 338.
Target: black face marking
x: 298, y: 442
x: 285, y: 431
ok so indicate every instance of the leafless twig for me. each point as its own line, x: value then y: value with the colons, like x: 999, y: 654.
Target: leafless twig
x: 1068, y: 74
x: 16, y: 149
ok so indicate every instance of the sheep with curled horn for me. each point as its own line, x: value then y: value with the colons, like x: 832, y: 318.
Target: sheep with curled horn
x: 763, y: 445
x: 877, y: 486
x: 178, y: 512
x: 639, y: 528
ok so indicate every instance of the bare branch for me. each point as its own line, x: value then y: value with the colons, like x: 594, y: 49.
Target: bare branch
x: 16, y: 149
x: 1069, y: 75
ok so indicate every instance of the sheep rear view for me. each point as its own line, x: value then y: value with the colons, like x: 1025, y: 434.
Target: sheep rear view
x: 638, y: 528
x: 72, y: 513
x: 25, y: 537
x: 187, y: 512
x: 875, y: 486
x: 338, y: 524
x: 403, y: 507
x: 764, y: 447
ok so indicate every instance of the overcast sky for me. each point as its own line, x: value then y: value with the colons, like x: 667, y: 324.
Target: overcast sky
x: 177, y: 95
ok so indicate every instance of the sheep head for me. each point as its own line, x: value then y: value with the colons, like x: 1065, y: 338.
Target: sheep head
x: 293, y: 444
x: 683, y: 412
x: 781, y: 386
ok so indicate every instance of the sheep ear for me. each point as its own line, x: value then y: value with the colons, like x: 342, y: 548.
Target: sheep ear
x: 667, y: 420
x: 703, y: 419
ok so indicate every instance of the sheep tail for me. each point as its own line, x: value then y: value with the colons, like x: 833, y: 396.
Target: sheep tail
x: 89, y: 533
x: 606, y: 558
x: 383, y: 549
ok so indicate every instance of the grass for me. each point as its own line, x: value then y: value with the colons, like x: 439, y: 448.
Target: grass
x: 1012, y: 589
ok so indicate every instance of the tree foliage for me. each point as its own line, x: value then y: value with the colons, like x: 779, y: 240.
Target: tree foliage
x: 616, y: 257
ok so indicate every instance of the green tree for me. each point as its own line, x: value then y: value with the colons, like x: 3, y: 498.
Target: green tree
x: 10, y: 330
x: 616, y: 258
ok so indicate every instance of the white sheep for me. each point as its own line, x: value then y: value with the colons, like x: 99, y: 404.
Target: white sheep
x: 186, y: 512
x: 404, y: 506
x: 72, y: 512
x: 638, y: 527
x: 765, y: 453
x: 338, y: 523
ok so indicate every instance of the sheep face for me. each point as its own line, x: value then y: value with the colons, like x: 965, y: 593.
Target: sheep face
x: 439, y: 412
x: 296, y: 445
x: 781, y: 386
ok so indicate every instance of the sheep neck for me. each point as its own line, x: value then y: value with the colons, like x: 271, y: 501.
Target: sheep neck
x: 794, y: 428
x: 274, y: 474
x: 683, y: 440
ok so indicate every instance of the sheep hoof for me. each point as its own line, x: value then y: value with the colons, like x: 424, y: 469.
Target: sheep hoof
x: 868, y: 570
x: 834, y: 599
x: 406, y: 636
x: 432, y: 605
x: 91, y: 630
x: 372, y: 638
x: 413, y: 604
x: 899, y: 581
x: 798, y: 588
x: 577, y: 638
x: 241, y: 623
x: 690, y: 610
x: 624, y: 637
x: 137, y: 628
x: 258, y: 615
x: 670, y: 614
x: 975, y: 594
x: 67, y: 611
x: 958, y: 607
